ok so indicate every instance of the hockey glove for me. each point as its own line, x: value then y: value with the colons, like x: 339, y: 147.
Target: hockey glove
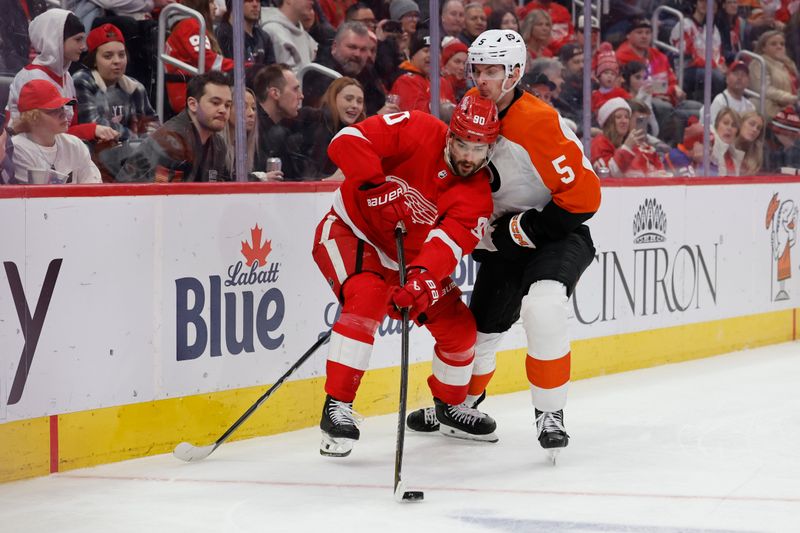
x: 384, y: 202
x: 512, y: 236
x: 419, y: 293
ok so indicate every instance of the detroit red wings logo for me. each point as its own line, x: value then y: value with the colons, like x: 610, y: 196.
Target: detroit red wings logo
x: 423, y: 211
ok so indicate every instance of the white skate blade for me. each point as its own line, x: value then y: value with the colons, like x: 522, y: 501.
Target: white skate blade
x: 401, y: 495
x: 335, y: 446
x: 189, y: 453
x: 552, y: 454
x: 448, y: 431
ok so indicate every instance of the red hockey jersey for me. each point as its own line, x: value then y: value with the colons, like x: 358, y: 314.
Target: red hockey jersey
x: 184, y: 44
x: 448, y: 214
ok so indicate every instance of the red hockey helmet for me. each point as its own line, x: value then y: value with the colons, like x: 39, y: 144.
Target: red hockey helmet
x: 475, y: 120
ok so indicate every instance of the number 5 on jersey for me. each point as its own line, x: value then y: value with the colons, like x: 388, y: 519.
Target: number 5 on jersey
x: 566, y: 172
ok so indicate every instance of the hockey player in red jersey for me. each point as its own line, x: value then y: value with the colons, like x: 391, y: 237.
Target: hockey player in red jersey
x: 543, y: 189
x: 407, y: 167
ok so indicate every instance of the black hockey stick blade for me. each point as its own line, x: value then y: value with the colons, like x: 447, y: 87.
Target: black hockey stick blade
x: 191, y: 453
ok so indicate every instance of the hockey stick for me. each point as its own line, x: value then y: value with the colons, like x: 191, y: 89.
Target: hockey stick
x: 188, y: 452
x: 400, y: 494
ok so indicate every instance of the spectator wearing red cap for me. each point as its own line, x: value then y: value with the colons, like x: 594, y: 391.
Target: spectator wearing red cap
x: 105, y: 94
x: 736, y: 80
x: 782, y: 144
x: 413, y: 87
x: 622, y: 149
x: 43, y: 151
x: 60, y: 38
x: 608, y: 80
x: 454, y: 58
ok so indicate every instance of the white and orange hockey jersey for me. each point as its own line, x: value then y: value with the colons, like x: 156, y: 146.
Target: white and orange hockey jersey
x: 448, y: 214
x: 539, y: 163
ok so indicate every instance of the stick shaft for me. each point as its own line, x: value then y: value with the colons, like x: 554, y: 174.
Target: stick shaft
x: 401, y: 413
x: 322, y: 340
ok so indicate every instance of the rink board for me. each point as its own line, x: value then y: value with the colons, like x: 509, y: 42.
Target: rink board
x: 155, y: 330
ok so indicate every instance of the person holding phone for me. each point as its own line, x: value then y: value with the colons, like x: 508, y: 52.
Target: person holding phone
x: 394, y: 37
x: 621, y: 148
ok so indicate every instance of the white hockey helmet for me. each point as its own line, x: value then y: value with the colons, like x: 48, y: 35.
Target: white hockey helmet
x: 499, y: 47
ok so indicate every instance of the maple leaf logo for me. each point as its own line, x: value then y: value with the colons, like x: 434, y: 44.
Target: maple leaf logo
x: 256, y: 250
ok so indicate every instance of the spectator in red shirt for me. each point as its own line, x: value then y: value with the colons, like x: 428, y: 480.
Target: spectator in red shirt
x: 184, y: 44
x: 454, y: 58
x: 413, y: 87
x: 669, y: 103
x: 621, y: 149
x: 607, y: 73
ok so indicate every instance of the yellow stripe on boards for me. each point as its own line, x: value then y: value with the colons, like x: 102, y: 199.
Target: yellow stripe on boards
x: 125, y: 432
x: 25, y: 449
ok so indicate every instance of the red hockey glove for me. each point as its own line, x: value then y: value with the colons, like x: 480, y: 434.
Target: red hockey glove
x: 384, y: 202
x: 419, y: 293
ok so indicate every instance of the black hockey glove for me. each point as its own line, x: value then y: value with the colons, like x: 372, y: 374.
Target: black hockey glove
x: 512, y: 235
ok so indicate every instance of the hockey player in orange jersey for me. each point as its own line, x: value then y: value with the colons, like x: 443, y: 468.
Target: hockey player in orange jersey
x: 406, y: 167
x: 544, y: 189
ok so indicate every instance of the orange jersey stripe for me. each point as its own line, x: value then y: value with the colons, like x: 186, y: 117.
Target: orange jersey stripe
x: 478, y: 383
x: 548, y: 374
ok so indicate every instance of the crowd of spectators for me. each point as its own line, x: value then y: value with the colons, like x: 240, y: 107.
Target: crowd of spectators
x: 81, y: 78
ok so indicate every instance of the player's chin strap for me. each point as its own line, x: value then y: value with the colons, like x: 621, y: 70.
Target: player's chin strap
x: 504, y: 91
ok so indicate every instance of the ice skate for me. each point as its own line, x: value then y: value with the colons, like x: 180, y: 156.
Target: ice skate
x: 339, y: 425
x: 551, y: 432
x: 424, y: 420
x: 463, y: 422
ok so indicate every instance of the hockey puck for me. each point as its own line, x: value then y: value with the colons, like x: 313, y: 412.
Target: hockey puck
x: 402, y: 495
x: 413, y: 496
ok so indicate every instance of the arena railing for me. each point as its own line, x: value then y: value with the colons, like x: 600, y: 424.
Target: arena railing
x: 597, y: 11
x: 163, y: 57
x: 316, y: 67
x: 681, y: 49
x: 762, y: 95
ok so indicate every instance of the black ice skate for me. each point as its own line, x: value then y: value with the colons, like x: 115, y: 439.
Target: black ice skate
x: 551, y: 432
x: 339, y: 425
x: 424, y: 420
x: 463, y: 422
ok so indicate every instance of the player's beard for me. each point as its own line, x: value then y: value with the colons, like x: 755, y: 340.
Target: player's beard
x: 464, y: 168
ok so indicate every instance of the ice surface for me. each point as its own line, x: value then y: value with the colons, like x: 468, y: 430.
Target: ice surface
x: 709, y: 445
